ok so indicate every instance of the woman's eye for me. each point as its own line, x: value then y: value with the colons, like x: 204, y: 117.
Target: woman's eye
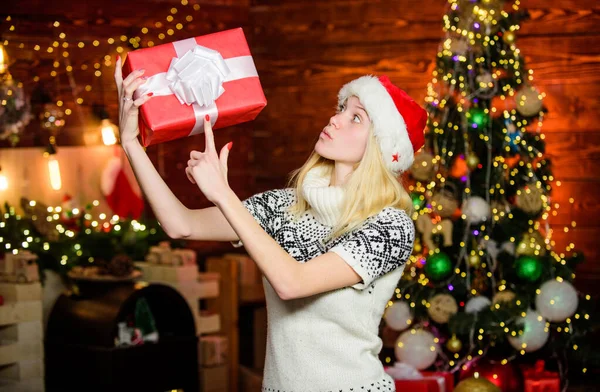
x: 356, y: 118
x: 341, y: 108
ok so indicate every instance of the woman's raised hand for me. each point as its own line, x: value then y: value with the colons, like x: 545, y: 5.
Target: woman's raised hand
x: 128, y: 107
x: 207, y: 169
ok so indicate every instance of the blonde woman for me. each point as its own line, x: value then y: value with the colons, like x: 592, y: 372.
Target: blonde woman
x: 331, y: 246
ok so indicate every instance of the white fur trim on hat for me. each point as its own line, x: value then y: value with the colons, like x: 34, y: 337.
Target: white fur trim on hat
x: 388, y: 124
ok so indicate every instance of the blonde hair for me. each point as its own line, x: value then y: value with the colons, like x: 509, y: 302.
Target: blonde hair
x: 370, y: 188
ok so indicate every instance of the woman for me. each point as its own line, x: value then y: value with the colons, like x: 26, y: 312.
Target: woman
x: 331, y: 247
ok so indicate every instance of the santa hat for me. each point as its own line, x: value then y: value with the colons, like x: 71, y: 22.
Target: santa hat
x: 398, y: 121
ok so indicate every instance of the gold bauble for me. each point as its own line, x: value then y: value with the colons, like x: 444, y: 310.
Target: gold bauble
x: 529, y: 199
x: 503, y: 296
x: 472, y: 161
x: 528, y: 101
x: 509, y: 37
x: 422, y: 168
x: 442, y: 307
x: 417, y: 246
x: 444, y: 201
x: 476, y: 385
x: 474, y: 260
x: 532, y: 244
x: 454, y: 344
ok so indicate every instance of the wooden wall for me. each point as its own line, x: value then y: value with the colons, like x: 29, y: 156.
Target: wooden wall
x: 305, y: 51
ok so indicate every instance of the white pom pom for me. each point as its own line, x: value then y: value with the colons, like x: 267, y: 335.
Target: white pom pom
x: 556, y: 300
x: 417, y: 348
x: 398, y: 316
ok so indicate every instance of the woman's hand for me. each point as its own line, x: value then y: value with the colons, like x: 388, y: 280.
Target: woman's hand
x: 129, y: 108
x: 209, y: 170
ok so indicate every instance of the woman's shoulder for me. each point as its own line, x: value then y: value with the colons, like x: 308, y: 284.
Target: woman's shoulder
x: 278, y: 197
x: 392, y: 217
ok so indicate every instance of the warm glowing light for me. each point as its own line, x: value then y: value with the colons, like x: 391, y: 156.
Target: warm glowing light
x: 54, y: 171
x: 108, y: 132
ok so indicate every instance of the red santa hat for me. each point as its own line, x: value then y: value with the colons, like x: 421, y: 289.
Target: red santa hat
x: 398, y: 121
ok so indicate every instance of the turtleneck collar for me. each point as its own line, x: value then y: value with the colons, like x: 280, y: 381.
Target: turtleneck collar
x: 325, y: 201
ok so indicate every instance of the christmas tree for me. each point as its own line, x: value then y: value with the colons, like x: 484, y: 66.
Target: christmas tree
x: 484, y: 281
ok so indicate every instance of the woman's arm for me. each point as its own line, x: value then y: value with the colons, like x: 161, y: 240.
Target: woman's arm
x: 177, y: 220
x: 289, y: 278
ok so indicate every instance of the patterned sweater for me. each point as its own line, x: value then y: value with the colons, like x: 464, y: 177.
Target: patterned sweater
x: 329, y: 341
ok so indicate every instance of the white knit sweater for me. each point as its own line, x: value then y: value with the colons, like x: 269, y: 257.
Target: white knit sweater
x: 329, y: 341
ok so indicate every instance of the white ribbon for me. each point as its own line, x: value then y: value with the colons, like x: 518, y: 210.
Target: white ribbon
x: 196, y: 78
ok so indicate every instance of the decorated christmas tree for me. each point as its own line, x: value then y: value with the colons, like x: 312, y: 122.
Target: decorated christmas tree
x: 485, y: 288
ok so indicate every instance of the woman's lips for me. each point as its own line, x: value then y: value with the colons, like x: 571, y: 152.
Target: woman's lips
x: 324, y: 133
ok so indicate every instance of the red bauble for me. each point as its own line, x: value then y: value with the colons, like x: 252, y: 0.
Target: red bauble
x: 506, y: 377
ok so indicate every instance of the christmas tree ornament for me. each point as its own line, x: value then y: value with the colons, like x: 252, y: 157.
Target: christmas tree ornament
x: 417, y: 347
x: 532, y: 244
x: 474, y: 260
x: 485, y: 81
x: 478, y: 118
x: 398, y: 316
x: 534, y: 335
x: 473, y: 384
x: 505, y: 296
x: 417, y: 200
x: 530, y: 199
x: 507, y: 377
x: 476, y: 209
x: 417, y: 246
x: 477, y: 304
x: 529, y: 268
x: 556, y: 300
x: 509, y: 37
x: 445, y: 200
x: 454, y: 344
x: 438, y: 266
x: 529, y: 101
x: 458, y: 46
x: 423, y: 167
x: 479, y: 282
x: 441, y: 308
x: 459, y: 167
x: 428, y: 228
x: 472, y: 161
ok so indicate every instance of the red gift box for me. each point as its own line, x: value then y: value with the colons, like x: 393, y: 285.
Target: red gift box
x: 431, y: 382
x: 539, y: 380
x: 166, y: 116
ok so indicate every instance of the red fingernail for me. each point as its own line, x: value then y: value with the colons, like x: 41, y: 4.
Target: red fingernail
x: 207, y: 117
x: 150, y: 94
x: 229, y: 145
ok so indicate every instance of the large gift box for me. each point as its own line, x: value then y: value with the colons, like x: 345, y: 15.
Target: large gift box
x: 213, y: 74
x: 537, y: 379
x: 407, y: 378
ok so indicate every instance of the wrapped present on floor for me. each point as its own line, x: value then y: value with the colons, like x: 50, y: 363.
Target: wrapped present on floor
x: 407, y: 378
x: 210, y: 75
x: 163, y: 254
x: 537, y: 379
x: 213, y: 350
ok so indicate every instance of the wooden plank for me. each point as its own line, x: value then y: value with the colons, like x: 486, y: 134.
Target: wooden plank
x: 227, y: 306
x: 585, y: 203
x: 352, y: 21
x: 574, y: 155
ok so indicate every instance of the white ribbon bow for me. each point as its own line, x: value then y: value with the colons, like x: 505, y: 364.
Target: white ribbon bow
x: 404, y: 371
x: 198, y: 76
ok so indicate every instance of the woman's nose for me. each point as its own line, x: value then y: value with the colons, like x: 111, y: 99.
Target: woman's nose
x: 334, y: 121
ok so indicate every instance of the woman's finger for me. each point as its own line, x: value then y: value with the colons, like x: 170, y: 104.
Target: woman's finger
x: 118, y: 75
x: 188, y: 173
x: 132, y: 76
x: 208, y: 135
x: 192, y: 162
x: 196, y: 154
x: 224, y: 156
x: 130, y: 89
x: 142, y: 100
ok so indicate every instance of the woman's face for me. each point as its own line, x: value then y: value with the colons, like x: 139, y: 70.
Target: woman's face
x: 344, y: 139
